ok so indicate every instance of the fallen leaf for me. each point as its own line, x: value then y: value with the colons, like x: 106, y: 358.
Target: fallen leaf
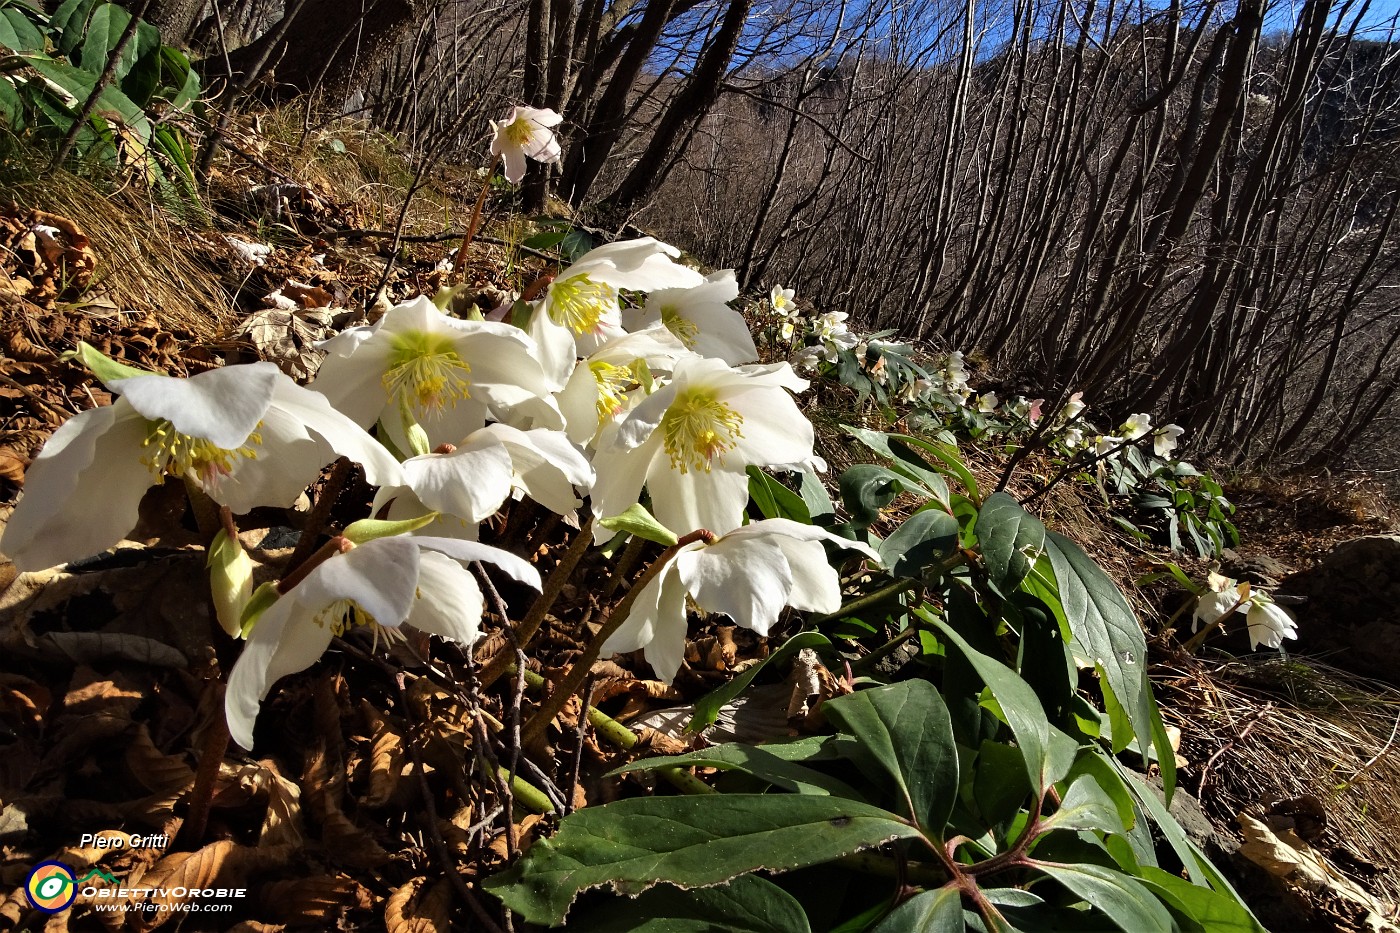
x: 406, y: 911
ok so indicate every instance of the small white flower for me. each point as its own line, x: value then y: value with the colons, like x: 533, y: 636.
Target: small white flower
x: 749, y: 575
x: 248, y: 435
x: 1072, y: 438
x: 448, y: 375
x: 611, y: 379
x: 1136, y: 426
x: 1164, y: 439
x: 1074, y: 407
x: 526, y: 132
x: 781, y: 300
x: 1269, y: 623
x: 915, y: 390
x: 701, y: 318
x: 808, y: 357
x: 691, y: 442
x: 988, y: 402
x: 381, y: 583
x: 1107, y: 446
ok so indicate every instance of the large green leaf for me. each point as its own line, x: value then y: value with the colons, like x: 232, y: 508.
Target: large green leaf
x: 904, y: 730
x: 708, y: 707
x: 748, y: 904
x: 689, y: 842
x: 18, y: 33
x: 1011, y: 539
x: 750, y: 759
x: 774, y: 499
x: 937, y: 911
x: 1086, y: 806
x: 1107, y: 634
x: 179, y: 77
x: 1121, y: 897
x: 906, y: 461
x: 70, y: 22
x: 1000, y: 787
x: 1208, y: 911
x: 1048, y: 752
x: 927, y: 536
x: 866, y: 488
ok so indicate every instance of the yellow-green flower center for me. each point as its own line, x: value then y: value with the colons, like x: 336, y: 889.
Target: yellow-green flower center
x: 167, y: 452
x: 518, y: 132
x: 425, y: 371
x: 684, y: 329
x: 614, y: 382
x: 698, y: 430
x: 345, y: 614
x: 579, y: 303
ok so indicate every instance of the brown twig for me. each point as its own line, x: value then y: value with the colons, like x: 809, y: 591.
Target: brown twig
x: 211, y: 756
x: 320, y: 513
x: 476, y: 217
x: 430, y: 817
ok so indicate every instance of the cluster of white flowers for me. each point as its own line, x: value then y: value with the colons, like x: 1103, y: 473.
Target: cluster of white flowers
x: 592, y: 397
x: 1268, y: 623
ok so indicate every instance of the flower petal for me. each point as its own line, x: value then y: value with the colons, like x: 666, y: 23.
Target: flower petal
x: 284, y: 641
x: 519, y: 570
x: 379, y: 576
x: 747, y: 579
x: 449, y: 601
x: 222, y: 406
x: 470, y: 484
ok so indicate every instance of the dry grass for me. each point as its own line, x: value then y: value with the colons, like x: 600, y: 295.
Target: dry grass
x: 147, y: 261
x: 1261, y: 731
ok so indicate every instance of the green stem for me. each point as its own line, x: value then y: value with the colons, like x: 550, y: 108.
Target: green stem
x: 526, y: 794
x: 872, y: 863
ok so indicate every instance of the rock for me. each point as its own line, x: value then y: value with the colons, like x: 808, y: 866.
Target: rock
x: 1259, y: 569
x: 1188, y: 812
x: 1351, y: 610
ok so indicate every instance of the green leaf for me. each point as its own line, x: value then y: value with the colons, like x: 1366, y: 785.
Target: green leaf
x: 70, y: 21
x: 707, y: 707
x: 1107, y: 633
x: 1086, y: 806
x: 1207, y: 910
x: 1121, y: 897
x: 18, y: 32
x: 638, y: 521
x: 1011, y: 539
x: 368, y: 529
x: 183, y: 79
x: 748, y: 904
x: 950, y: 460
x: 866, y: 488
x: 905, y: 731
x: 1049, y: 753
x: 815, y: 495
x: 774, y: 499
x: 937, y: 911
x: 750, y: 759
x: 545, y: 239
x: 926, y: 537
x: 924, y: 477
x: 104, y: 31
x: 106, y: 369
x: 687, y: 841
x: 1000, y: 787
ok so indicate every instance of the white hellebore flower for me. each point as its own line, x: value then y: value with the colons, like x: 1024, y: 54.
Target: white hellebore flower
x: 1106, y: 446
x: 248, y: 435
x: 1223, y: 597
x: 1164, y: 439
x: 1072, y: 438
x: 446, y: 374
x: 580, y: 311
x: 525, y: 133
x: 701, y: 318
x: 606, y: 384
x: 749, y: 575
x: 1269, y: 623
x: 691, y: 441
x: 987, y: 402
x: 468, y: 484
x: 1136, y: 426
x: 1074, y: 407
x: 382, y: 583
x: 781, y: 300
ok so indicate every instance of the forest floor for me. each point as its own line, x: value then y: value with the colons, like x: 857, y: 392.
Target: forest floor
x: 108, y: 680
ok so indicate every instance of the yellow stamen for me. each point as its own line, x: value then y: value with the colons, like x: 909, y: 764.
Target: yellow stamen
x: 345, y: 614
x: 614, y: 382
x: 579, y: 303
x: 425, y: 372
x: 684, y: 329
x: 698, y: 430
x: 170, y: 453
x: 518, y: 132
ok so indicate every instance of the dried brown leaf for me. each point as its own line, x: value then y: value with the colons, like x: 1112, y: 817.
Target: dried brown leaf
x: 158, y: 772
x: 387, y: 756
x: 407, y: 912
x: 288, y: 338
x: 23, y: 700
x: 90, y: 693
x: 12, y: 465
x: 85, y: 647
x: 318, y: 901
